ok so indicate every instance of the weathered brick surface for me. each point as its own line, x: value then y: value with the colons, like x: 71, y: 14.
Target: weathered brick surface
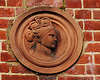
x: 91, y: 3
x: 4, y: 68
x: 7, y: 12
x: 87, y: 36
x: 19, y: 10
x: 19, y: 69
x: 4, y: 23
x: 97, y: 78
x: 92, y: 25
x: 83, y: 14
x: 96, y: 14
x: 34, y: 2
x: 2, y: 2
x: 93, y: 69
x: 18, y: 77
x: 70, y: 12
x: 15, y: 3
x: 56, y: 3
x: 3, y: 35
x: 74, y: 78
x: 93, y: 47
x: 97, y: 58
x: 76, y: 70
x: 97, y: 36
x: 42, y: 77
x: 73, y: 3
x: 85, y: 58
x: 4, y: 45
x: 5, y: 56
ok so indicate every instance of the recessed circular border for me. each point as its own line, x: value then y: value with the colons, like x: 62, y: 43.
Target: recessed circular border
x: 58, y: 68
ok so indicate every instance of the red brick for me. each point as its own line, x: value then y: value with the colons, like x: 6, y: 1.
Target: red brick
x: 56, y: 3
x: 81, y: 24
x: 4, y: 67
x: 4, y: 45
x: 97, y: 36
x: 3, y: 35
x: 93, y: 69
x: 6, y: 77
x: 73, y: 3
x: 70, y: 12
x: 87, y: 36
x: 84, y: 59
x: 74, y: 78
x: 92, y: 25
x: 78, y: 69
x: 97, y: 78
x: 47, y: 77
x: 62, y: 78
x: 7, y: 57
x: 19, y: 69
x: 16, y: 3
x: 96, y: 14
x: 93, y: 47
x: 2, y: 2
x: 91, y: 3
x: 97, y: 58
x: 83, y: 14
x: 19, y: 10
x: 48, y: 2
x: 18, y: 77
x: 31, y: 3
x: 4, y: 23
x: 7, y: 12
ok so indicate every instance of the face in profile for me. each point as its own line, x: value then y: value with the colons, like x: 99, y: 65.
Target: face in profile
x: 42, y: 37
x: 50, y: 39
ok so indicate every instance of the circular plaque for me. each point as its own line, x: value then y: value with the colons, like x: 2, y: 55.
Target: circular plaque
x: 46, y: 40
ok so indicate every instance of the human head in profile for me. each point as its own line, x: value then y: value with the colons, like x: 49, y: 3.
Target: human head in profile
x: 43, y: 37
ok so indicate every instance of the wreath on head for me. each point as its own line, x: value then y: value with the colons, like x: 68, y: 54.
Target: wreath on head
x: 38, y: 27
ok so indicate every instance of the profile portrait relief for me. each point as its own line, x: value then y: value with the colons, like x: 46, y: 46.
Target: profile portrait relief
x: 43, y: 38
x: 46, y: 40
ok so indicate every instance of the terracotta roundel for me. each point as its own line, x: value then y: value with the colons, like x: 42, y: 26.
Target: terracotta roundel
x: 46, y: 40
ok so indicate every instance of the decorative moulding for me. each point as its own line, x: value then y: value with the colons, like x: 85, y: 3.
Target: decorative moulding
x: 46, y: 40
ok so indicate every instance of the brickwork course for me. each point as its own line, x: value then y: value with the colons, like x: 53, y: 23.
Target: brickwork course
x: 84, y: 12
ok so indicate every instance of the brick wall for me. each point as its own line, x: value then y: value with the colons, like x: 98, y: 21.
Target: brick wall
x: 85, y: 12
